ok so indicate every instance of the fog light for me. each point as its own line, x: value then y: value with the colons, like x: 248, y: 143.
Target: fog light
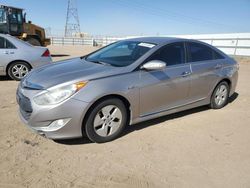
x: 55, y: 125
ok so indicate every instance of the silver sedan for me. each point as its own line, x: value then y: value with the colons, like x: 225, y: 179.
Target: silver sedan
x: 17, y: 57
x: 122, y: 84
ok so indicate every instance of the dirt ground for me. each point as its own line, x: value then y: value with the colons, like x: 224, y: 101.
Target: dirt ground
x: 195, y: 148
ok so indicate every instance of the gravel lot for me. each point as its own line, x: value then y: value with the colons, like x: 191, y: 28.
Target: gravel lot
x: 195, y: 148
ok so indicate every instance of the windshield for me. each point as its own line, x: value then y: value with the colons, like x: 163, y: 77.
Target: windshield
x: 121, y: 54
x: 2, y: 16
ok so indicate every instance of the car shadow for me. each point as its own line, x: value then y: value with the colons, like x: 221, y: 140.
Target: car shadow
x: 146, y: 124
x: 159, y: 120
x: 5, y: 78
x: 75, y: 141
x: 233, y: 97
x: 59, y: 55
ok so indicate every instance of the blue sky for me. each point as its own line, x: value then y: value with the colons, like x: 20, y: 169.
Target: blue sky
x: 142, y: 17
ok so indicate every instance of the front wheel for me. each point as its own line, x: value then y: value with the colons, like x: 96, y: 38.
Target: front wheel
x: 106, y: 121
x: 18, y: 70
x: 220, y: 96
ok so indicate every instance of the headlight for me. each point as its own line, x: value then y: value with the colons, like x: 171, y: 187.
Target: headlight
x: 56, y: 95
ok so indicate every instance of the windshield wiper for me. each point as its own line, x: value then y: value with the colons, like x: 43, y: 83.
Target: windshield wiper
x: 100, y: 62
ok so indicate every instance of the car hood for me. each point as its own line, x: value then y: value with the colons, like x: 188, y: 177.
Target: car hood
x: 76, y: 69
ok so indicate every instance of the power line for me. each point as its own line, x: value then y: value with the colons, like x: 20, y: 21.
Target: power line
x: 172, y: 16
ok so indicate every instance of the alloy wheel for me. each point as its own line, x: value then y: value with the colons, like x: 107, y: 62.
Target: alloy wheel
x: 221, y: 95
x: 20, y: 71
x: 108, y: 120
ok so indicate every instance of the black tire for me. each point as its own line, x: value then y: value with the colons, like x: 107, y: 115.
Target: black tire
x: 214, y: 99
x: 90, y: 131
x: 34, y: 41
x: 11, y: 70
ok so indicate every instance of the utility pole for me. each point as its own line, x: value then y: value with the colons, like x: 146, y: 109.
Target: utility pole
x: 72, y: 26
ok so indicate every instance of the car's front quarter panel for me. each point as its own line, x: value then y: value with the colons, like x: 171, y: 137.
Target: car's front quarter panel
x: 125, y: 85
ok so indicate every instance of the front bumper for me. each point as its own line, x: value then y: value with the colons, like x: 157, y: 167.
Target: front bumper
x: 40, y: 118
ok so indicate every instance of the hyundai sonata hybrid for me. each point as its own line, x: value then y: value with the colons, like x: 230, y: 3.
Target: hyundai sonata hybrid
x: 125, y: 83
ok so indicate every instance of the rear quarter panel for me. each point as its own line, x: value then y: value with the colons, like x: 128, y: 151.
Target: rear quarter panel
x: 230, y: 71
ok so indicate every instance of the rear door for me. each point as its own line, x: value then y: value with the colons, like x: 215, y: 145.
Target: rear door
x: 7, y: 52
x: 161, y: 90
x: 204, y: 67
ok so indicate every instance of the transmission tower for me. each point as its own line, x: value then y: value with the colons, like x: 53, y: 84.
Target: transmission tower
x: 72, y: 26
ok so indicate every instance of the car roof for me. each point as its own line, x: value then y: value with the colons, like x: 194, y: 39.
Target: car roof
x: 156, y: 40
x: 167, y: 40
x: 17, y: 42
x: 7, y: 36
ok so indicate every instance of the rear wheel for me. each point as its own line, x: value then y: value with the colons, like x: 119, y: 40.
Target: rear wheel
x: 18, y: 70
x: 106, y: 121
x: 220, y: 96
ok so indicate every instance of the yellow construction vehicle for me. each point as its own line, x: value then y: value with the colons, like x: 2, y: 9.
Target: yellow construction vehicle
x: 13, y: 22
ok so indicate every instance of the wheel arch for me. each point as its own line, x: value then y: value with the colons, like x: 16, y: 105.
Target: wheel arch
x: 103, y: 98
x: 10, y: 63
x: 211, y: 102
x: 229, y: 82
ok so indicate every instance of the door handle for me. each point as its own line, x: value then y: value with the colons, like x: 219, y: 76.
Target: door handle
x: 186, y: 73
x: 6, y: 52
x: 131, y: 87
x: 12, y: 52
x: 218, y: 66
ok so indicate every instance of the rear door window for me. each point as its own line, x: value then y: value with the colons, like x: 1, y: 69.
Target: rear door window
x: 199, y: 52
x: 6, y: 44
x: 9, y: 45
x: 217, y: 55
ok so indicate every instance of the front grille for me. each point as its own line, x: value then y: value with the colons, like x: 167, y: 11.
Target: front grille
x: 26, y: 115
x: 25, y: 105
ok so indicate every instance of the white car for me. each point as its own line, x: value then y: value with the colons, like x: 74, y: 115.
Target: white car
x: 17, y: 57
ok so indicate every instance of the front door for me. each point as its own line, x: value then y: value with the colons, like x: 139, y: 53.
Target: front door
x: 161, y: 90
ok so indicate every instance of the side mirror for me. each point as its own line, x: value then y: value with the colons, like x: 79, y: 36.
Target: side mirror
x: 154, y: 65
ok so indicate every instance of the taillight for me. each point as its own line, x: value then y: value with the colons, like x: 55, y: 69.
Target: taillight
x: 46, y: 53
